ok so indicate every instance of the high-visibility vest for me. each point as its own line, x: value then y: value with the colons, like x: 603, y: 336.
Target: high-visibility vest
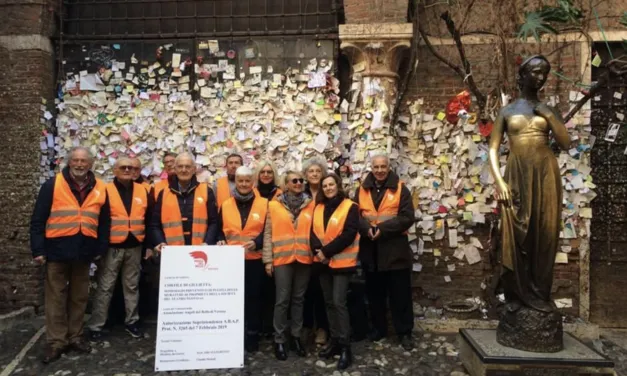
x: 172, y: 221
x: 146, y: 186
x: 290, y: 241
x: 348, y: 257
x: 388, y: 208
x: 276, y: 193
x: 232, y: 224
x: 160, y: 186
x: 223, y: 191
x: 68, y: 217
x: 122, y: 222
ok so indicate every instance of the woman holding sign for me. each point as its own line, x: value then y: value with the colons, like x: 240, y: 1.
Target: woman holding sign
x: 287, y: 255
x: 335, y: 242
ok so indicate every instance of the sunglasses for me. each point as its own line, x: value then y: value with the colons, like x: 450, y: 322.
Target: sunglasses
x: 128, y: 168
x: 266, y: 172
x: 296, y: 181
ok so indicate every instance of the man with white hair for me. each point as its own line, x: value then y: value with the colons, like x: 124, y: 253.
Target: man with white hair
x: 69, y: 228
x: 185, y: 212
x: 130, y: 206
x: 387, y: 212
x: 241, y: 222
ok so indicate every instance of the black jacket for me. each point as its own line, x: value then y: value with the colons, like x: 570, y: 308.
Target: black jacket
x: 186, y: 204
x: 244, y: 211
x: 127, y: 199
x: 391, y: 250
x: 68, y: 248
x: 345, y: 239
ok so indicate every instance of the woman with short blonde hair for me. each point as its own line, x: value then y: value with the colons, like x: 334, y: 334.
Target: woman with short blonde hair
x: 266, y: 178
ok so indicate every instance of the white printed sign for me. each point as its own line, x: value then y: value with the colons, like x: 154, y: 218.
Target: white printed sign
x: 201, y: 308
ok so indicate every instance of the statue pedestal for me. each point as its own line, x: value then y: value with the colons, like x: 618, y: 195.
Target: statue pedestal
x: 482, y: 355
x: 527, y: 329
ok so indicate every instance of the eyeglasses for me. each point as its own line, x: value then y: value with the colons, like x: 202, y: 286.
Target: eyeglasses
x: 297, y: 181
x: 267, y: 172
x: 128, y: 168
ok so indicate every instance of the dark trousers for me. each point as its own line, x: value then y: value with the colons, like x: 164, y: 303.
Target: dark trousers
x: 253, y: 295
x: 357, y: 309
x: 394, y: 285
x: 67, y: 292
x: 335, y: 290
x: 269, y: 299
x: 315, y: 313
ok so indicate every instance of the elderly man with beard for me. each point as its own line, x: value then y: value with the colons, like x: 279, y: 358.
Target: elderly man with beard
x: 69, y: 228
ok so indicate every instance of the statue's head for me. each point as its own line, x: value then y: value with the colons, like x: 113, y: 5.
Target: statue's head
x: 533, y: 72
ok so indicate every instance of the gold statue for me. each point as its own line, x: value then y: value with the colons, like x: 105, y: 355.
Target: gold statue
x: 530, y: 195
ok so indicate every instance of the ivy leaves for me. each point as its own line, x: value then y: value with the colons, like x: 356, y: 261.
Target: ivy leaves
x: 543, y: 20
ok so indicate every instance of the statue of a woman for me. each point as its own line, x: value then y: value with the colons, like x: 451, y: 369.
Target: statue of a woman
x: 530, y: 194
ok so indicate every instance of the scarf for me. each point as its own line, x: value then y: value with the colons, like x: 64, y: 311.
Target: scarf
x: 294, y: 202
x: 243, y: 198
x: 266, y: 190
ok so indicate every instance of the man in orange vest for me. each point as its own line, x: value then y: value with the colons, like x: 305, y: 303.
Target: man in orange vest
x: 130, y: 205
x: 225, y: 186
x: 169, y: 168
x: 387, y: 212
x: 241, y: 221
x: 69, y: 228
x: 137, y: 174
x: 185, y: 213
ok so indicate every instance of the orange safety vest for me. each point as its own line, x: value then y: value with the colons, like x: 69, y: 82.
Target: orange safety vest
x: 160, y: 186
x: 290, y: 241
x: 223, y: 191
x: 67, y: 217
x: 388, y: 208
x: 121, y: 222
x: 146, y: 186
x: 348, y: 257
x: 232, y: 224
x: 172, y: 222
x: 276, y: 193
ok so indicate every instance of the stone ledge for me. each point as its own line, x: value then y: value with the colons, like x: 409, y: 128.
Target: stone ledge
x: 583, y: 331
x: 376, y: 31
x: 10, y: 319
x: 26, y: 42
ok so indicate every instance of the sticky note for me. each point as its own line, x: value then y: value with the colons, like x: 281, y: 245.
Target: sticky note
x: 441, y: 116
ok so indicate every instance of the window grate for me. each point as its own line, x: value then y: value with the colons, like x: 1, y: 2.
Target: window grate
x: 150, y: 19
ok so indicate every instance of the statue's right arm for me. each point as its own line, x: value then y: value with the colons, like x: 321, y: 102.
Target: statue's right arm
x: 504, y: 193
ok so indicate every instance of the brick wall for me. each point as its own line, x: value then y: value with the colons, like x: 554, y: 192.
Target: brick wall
x: 375, y: 11
x: 26, y: 76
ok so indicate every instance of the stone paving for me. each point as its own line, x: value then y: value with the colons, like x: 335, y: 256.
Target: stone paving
x: 120, y: 355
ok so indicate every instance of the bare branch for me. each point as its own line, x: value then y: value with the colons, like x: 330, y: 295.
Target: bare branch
x: 466, y: 14
x: 454, y: 67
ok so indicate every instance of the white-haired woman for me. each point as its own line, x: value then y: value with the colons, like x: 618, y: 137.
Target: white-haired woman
x: 315, y: 169
x: 241, y: 221
x: 266, y: 181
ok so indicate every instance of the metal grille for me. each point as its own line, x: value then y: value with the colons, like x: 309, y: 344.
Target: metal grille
x: 138, y: 19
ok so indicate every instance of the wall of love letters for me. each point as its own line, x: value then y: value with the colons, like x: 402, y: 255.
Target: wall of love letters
x: 280, y: 100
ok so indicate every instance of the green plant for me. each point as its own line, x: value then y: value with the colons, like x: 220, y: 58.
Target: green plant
x: 543, y: 21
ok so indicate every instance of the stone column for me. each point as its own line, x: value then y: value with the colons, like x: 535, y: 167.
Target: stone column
x: 375, y: 52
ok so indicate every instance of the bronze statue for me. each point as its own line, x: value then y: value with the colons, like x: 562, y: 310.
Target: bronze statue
x: 530, y: 196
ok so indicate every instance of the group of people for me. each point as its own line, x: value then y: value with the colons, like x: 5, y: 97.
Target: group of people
x: 301, y: 231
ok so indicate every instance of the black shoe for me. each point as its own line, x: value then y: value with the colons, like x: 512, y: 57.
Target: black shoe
x: 81, y: 347
x: 252, y: 343
x: 95, y: 335
x: 279, y: 351
x: 375, y: 335
x: 346, y: 358
x: 299, y: 349
x: 134, y: 331
x: 51, y: 355
x: 332, y: 349
x: 407, y: 342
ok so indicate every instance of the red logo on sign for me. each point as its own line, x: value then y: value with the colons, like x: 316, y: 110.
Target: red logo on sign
x: 200, y: 259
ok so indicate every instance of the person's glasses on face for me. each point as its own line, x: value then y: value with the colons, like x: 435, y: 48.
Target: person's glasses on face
x: 128, y: 168
x: 298, y: 181
x: 266, y: 172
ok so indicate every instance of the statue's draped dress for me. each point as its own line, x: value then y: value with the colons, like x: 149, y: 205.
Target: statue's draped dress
x: 530, y: 229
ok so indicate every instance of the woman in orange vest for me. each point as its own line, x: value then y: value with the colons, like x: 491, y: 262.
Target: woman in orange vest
x: 315, y: 169
x: 287, y: 255
x: 241, y: 221
x: 266, y: 181
x: 335, y: 241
